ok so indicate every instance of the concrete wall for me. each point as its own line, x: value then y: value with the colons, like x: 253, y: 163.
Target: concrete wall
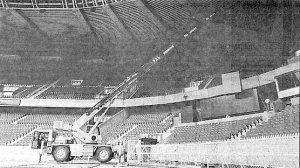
x: 228, y: 105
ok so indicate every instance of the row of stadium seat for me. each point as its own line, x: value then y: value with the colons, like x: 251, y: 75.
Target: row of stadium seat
x: 104, y: 25
x: 284, y: 122
x: 172, y: 13
x: 135, y: 125
x: 7, y: 117
x: 208, y: 132
x: 70, y: 93
x: 22, y: 92
x: 149, y: 129
x: 11, y: 132
x: 47, y: 119
x: 58, y: 18
x: 138, y: 22
x: 145, y: 118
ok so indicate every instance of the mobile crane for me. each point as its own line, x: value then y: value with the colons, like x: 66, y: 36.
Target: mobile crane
x: 86, y: 139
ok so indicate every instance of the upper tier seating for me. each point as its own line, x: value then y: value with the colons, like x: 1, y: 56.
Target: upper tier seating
x: 139, y: 23
x: 23, y: 91
x: 105, y: 26
x: 8, y: 117
x: 62, y: 92
x: 284, y: 122
x: 56, y: 22
x: 172, y: 13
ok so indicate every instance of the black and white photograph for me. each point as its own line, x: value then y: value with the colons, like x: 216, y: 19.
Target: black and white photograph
x: 149, y: 83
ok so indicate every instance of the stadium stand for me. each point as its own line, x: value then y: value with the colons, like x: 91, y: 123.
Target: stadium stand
x: 143, y: 27
x: 213, y: 131
x: 104, y: 25
x: 149, y: 129
x: 11, y: 132
x: 284, y: 122
x: 8, y: 118
x: 134, y: 125
x: 47, y: 119
x: 57, y: 19
x: 72, y: 92
x: 22, y: 91
x: 172, y: 13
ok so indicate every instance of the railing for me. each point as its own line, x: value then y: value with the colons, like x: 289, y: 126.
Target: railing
x: 265, y: 152
x: 40, y: 4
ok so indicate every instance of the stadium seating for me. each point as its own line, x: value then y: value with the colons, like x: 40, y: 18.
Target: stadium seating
x: 284, y: 122
x: 10, y: 132
x: 212, y: 131
x: 62, y: 92
x: 104, y: 25
x: 61, y: 21
x: 172, y: 13
x: 149, y: 129
x: 137, y: 124
x: 47, y: 119
x: 23, y: 91
x: 145, y: 118
x: 132, y: 127
x: 143, y: 27
x: 8, y: 117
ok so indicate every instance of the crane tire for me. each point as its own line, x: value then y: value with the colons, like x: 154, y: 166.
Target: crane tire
x: 61, y: 153
x: 104, y: 154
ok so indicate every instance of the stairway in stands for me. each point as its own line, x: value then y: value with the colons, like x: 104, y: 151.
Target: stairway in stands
x: 40, y: 90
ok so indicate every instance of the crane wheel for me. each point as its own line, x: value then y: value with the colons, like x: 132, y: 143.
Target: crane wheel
x: 61, y: 153
x: 104, y: 154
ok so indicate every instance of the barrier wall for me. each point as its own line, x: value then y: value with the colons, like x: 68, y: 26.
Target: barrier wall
x: 10, y: 102
x: 58, y: 103
x: 264, y: 151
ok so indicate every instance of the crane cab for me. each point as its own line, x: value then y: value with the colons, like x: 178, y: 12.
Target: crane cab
x: 41, y: 136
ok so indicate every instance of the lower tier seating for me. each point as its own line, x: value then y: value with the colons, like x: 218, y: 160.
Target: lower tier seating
x: 11, y: 132
x: 47, y: 119
x: 213, y: 131
x: 284, y: 122
x: 268, y: 124
x: 9, y: 117
x: 135, y: 125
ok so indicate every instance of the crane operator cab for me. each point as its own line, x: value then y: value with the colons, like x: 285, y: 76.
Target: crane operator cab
x: 43, y: 138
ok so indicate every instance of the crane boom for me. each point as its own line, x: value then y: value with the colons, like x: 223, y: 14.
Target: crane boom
x: 76, y: 127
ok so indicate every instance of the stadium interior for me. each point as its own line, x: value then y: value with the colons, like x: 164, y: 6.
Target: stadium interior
x: 227, y: 94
